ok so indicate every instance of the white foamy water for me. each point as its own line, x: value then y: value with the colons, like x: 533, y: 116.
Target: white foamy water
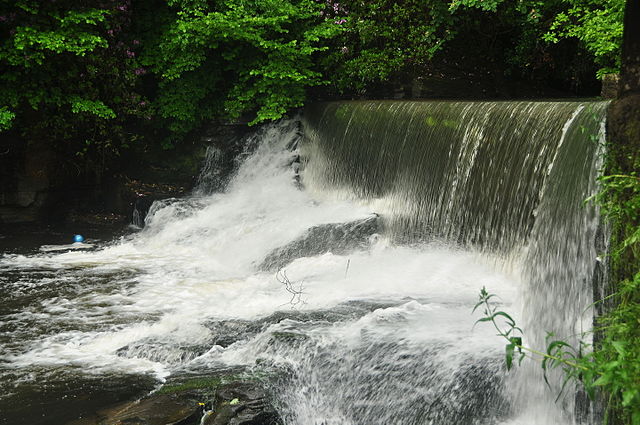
x: 382, y: 334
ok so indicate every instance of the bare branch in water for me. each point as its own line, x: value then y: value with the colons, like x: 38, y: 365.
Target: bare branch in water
x: 296, y: 290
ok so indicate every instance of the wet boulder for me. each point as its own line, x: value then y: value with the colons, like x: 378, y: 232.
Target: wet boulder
x: 242, y: 404
x: 199, y: 401
x: 338, y: 238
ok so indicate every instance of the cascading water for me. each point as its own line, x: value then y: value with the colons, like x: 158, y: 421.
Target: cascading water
x: 372, y: 324
x: 508, y: 178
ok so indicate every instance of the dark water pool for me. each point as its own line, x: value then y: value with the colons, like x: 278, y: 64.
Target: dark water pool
x: 40, y: 394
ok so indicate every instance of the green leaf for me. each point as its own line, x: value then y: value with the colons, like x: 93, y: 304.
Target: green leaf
x: 628, y: 396
x: 509, y: 348
x: 619, y: 347
x: 485, y: 319
x: 509, y: 319
x: 517, y: 341
x: 6, y: 118
x: 94, y: 107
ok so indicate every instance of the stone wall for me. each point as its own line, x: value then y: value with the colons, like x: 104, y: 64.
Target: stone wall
x: 623, y: 134
x: 38, y: 185
x: 25, y: 180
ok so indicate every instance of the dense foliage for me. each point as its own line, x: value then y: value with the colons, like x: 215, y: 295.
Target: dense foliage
x: 616, y: 358
x: 232, y: 56
x: 526, y: 39
x: 69, y: 73
x: 597, y: 24
x: 93, y: 75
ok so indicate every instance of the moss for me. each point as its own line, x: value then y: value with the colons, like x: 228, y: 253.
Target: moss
x: 210, y: 383
x: 193, y: 384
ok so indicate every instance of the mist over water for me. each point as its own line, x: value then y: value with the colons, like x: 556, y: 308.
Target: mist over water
x: 376, y: 332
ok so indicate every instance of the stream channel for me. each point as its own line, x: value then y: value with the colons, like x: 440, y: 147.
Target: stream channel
x: 338, y: 269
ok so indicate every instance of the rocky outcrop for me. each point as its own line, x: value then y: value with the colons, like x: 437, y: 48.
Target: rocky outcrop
x: 196, y: 402
x: 610, y: 86
x: 337, y: 238
x: 25, y: 180
x: 623, y: 129
x: 242, y: 404
x: 623, y: 159
x: 40, y: 184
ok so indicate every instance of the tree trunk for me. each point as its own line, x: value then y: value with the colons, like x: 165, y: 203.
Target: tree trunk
x: 630, y: 72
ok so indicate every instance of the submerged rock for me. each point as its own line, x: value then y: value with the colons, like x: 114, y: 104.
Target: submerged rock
x: 158, y: 351
x: 338, y: 238
x: 227, y: 332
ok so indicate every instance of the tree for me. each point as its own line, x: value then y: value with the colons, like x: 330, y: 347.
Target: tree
x: 70, y: 72
x: 233, y: 57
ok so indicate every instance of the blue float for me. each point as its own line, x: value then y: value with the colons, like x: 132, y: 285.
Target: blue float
x: 78, y: 238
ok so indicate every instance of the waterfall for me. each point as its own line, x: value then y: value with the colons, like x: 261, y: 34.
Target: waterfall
x: 469, y: 172
x: 504, y: 177
x: 339, y: 263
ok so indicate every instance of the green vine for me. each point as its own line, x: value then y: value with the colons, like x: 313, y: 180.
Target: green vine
x: 613, y: 367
